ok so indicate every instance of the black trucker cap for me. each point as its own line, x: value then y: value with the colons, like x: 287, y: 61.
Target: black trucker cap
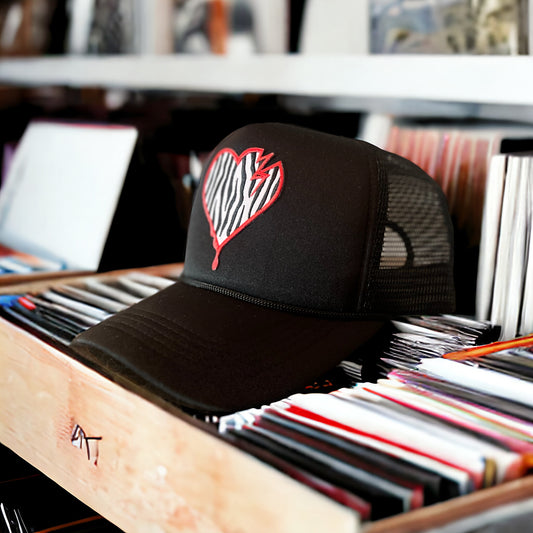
x: 301, y: 244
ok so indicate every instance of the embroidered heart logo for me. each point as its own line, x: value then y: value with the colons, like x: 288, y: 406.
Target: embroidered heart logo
x: 237, y: 189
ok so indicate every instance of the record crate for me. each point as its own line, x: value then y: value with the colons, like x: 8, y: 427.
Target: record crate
x: 147, y: 466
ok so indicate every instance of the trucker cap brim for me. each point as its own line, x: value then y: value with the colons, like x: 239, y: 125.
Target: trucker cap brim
x: 217, y: 354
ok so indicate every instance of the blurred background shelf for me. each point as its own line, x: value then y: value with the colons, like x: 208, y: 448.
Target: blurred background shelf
x: 439, y: 85
x: 475, y: 79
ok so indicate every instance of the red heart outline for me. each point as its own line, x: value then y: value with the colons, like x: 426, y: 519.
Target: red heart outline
x: 261, y: 174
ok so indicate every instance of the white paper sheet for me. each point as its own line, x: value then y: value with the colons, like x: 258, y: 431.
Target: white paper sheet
x: 62, y: 189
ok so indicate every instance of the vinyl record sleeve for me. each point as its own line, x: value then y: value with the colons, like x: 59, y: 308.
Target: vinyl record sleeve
x: 383, y: 503
x: 460, y: 481
x: 335, y: 492
x: 453, y: 390
x: 378, y: 462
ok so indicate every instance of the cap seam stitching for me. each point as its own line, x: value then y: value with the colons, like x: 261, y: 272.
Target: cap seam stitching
x: 276, y: 306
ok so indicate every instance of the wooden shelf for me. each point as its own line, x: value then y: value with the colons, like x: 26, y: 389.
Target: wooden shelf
x: 503, y: 80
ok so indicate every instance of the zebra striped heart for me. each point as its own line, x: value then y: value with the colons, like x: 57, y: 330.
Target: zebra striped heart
x: 237, y: 189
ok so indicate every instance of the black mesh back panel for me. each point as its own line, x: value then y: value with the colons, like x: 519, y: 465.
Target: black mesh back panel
x: 412, y: 269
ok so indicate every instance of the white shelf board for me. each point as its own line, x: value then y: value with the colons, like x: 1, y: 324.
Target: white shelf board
x: 504, y: 80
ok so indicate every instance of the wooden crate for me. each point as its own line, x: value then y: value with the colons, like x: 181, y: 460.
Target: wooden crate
x: 148, y: 467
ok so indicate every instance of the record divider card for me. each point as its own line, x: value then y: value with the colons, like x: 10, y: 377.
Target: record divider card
x: 59, y: 197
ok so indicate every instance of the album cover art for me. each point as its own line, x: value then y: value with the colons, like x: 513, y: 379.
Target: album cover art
x: 448, y: 26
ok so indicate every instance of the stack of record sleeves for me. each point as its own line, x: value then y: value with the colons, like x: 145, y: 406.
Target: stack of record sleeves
x: 443, y: 423
x: 416, y: 337
x: 61, y: 312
